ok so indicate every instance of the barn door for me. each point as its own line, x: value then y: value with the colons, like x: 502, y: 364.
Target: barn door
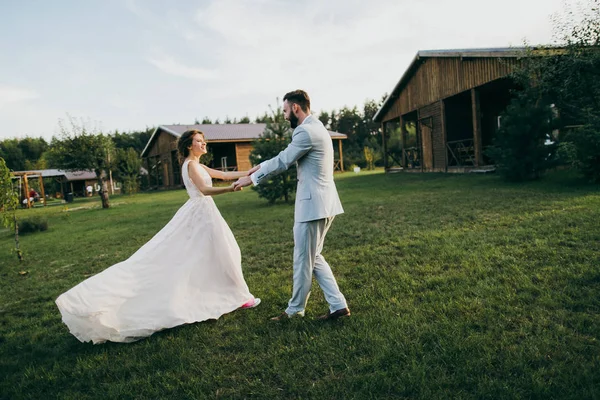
x: 426, y: 130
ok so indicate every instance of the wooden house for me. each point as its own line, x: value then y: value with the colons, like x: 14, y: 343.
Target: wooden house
x: 230, y: 145
x: 445, y: 109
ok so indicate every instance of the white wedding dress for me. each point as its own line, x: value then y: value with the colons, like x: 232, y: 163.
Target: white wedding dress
x: 189, y: 271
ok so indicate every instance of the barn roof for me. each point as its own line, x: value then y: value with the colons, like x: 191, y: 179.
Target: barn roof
x: 460, y: 53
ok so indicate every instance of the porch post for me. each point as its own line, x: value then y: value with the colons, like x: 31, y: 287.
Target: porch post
x: 41, y: 180
x: 384, y: 146
x: 26, y: 190
x: 341, y: 155
x: 476, y: 112
x: 444, y: 134
x: 403, y: 141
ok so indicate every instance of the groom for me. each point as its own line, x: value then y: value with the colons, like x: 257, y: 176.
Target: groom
x: 317, y: 203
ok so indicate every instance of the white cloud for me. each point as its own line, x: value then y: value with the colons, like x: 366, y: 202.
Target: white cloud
x: 12, y: 94
x: 137, y: 10
x: 170, y: 66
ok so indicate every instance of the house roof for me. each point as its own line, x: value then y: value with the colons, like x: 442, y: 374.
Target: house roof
x: 80, y: 175
x: 463, y: 53
x: 69, y: 175
x: 222, y: 132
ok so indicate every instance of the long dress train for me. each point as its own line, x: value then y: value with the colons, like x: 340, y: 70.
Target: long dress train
x: 189, y: 271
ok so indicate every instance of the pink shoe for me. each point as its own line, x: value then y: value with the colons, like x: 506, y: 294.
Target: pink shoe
x: 251, y: 303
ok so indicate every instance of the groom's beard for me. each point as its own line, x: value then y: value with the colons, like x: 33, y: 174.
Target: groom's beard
x: 293, y: 120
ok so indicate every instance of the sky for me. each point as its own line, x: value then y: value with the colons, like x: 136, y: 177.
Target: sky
x: 133, y: 64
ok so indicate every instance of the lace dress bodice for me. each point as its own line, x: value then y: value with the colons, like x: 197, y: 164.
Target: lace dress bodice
x: 192, y: 190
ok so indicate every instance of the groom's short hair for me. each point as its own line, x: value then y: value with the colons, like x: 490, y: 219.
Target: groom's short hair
x: 299, y: 97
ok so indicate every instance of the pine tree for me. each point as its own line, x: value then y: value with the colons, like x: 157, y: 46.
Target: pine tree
x: 274, y: 139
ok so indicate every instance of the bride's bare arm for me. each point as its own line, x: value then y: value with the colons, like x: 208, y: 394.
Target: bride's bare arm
x: 226, y: 176
x: 196, y: 177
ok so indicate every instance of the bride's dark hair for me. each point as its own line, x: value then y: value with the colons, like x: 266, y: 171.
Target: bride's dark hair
x: 184, y: 142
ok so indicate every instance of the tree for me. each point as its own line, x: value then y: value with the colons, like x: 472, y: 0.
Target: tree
x: 586, y: 141
x: 361, y: 130
x: 12, y: 154
x: 24, y: 154
x: 33, y: 148
x: 324, y: 118
x: 521, y: 148
x: 9, y: 201
x: 82, y: 148
x: 573, y: 80
x: 135, y: 139
x: 128, y: 168
x: 263, y: 119
x: 564, y: 78
x: 274, y: 139
x: 41, y: 163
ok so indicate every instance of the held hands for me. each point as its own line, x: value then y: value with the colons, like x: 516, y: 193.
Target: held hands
x: 245, y: 180
x: 241, y: 183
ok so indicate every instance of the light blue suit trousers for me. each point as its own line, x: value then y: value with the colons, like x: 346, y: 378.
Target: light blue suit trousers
x: 309, y: 238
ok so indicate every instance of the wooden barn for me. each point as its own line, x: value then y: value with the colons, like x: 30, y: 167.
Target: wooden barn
x: 230, y: 145
x: 445, y: 109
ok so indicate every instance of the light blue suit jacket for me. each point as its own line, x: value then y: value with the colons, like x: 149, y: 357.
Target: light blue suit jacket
x: 311, y: 148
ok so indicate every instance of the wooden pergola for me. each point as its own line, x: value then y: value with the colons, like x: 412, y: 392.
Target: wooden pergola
x: 25, y: 177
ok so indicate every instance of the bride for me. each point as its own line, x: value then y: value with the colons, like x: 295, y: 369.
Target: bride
x: 189, y: 271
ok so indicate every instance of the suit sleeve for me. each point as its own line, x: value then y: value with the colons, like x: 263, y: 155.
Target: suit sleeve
x: 298, y: 147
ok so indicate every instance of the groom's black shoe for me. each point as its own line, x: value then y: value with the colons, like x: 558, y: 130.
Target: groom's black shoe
x: 344, y: 312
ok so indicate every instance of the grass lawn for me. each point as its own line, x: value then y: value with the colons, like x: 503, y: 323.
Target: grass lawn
x: 461, y: 286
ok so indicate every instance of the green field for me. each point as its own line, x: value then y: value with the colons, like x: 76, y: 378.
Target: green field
x: 460, y: 286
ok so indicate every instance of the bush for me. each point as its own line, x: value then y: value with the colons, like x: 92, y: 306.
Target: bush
x: 131, y: 184
x: 566, y: 154
x: 33, y: 224
x: 586, y: 141
x: 520, y: 149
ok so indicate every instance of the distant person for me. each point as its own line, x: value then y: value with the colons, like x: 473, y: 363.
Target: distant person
x: 317, y: 203
x: 190, y: 271
x: 90, y: 190
x: 33, y: 195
